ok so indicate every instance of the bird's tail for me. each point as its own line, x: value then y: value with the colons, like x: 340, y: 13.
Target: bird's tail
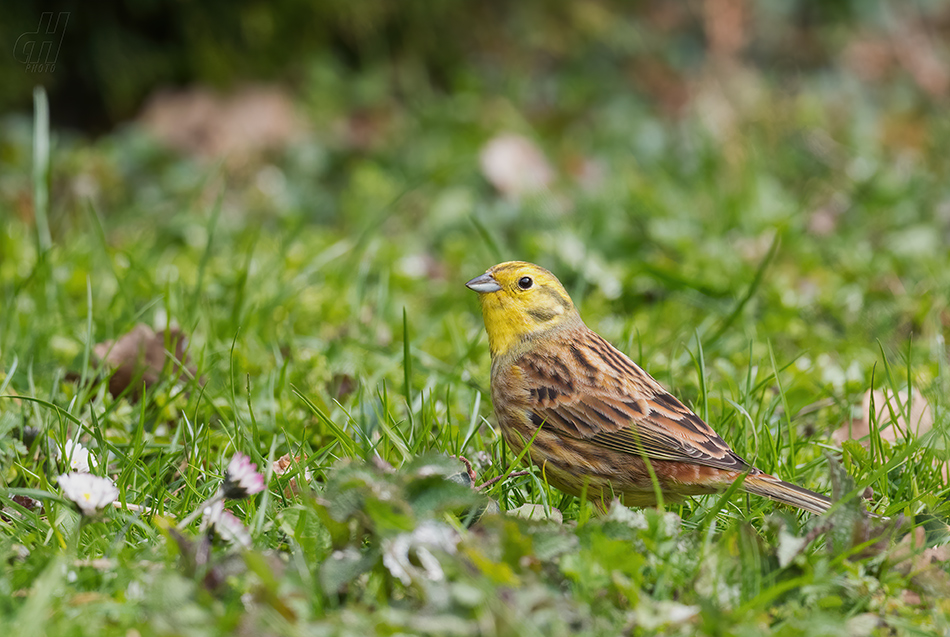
x: 786, y: 493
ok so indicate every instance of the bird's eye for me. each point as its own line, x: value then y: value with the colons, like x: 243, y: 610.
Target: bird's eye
x: 525, y: 282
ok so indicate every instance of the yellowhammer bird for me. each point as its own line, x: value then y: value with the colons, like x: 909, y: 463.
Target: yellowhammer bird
x: 601, y: 417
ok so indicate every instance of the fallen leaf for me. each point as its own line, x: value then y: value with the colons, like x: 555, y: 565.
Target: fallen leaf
x: 924, y: 565
x: 849, y: 524
x: 140, y: 356
x: 920, y: 422
x: 202, y: 123
x: 916, y: 54
x: 663, y: 83
x: 284, y: 464
x: 515, y: 166
x: 911, y: 598
x: 869, y: 56
x: 8, y: 514
x: 365, y: 130
x: 910, y: 554
x: 341, y: 386
x: 26, y: 502
x: 910, y: 46
x: 725, y: 25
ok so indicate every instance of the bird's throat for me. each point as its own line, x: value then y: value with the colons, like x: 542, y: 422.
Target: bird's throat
x: 505, y: 329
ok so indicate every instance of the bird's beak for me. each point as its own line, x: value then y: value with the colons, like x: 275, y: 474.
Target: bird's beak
x: 483, y: 284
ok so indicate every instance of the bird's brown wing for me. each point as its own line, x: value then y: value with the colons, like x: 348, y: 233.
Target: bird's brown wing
x: 593, y: 392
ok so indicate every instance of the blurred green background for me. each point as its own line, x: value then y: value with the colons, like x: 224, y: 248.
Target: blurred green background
x: 650, y: 153
x: 113, y: 58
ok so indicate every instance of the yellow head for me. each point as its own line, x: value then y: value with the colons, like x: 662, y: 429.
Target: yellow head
x: 519, y: 301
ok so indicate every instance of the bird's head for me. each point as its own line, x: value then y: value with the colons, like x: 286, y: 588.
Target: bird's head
x: 520, y: 301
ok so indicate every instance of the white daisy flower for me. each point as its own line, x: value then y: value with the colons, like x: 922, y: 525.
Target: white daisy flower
x: 225, y: 525
x: 75, y: 456
x: 90, y: 493
x: 241, y: 478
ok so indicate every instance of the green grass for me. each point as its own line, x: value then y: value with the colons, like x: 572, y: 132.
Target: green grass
x: 331, y: 322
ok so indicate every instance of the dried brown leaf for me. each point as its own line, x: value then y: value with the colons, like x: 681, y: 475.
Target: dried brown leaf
x: 665, y: 84
x: 869, y: 56
x: 341, y: 386
x: 911, y: 598
x: 923, y: 565
x: 725, y: 25
x: 365, y: 130
x: 875, y: 56
x: 200, y: 122
x: 920, y: 422
x: 284, y: 464
x: 917, y: 54
x: 140, y: 356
